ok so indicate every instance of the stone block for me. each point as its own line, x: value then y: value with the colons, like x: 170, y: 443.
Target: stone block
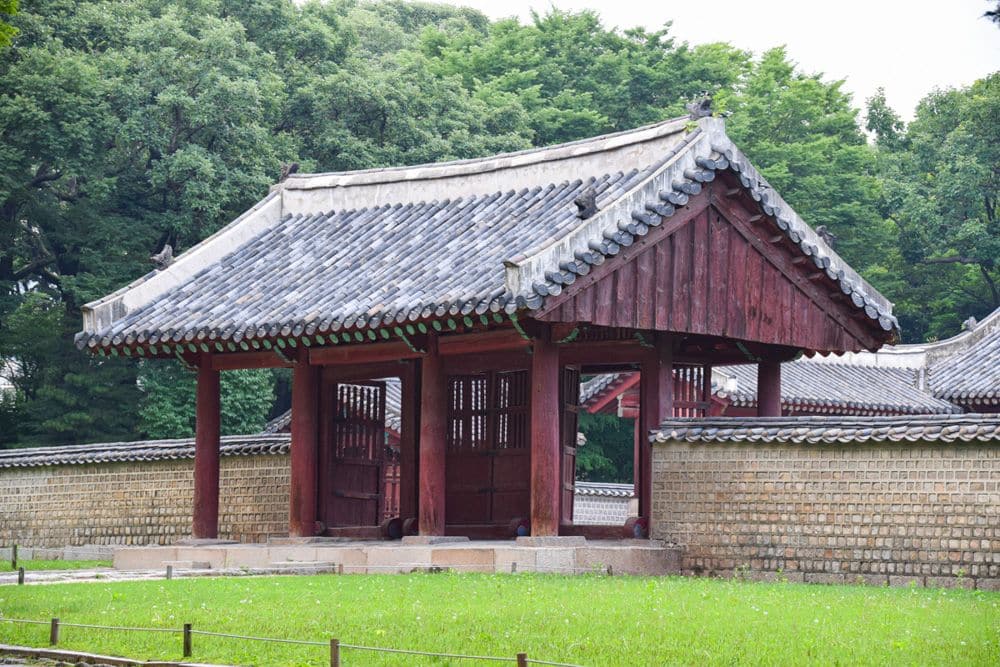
x: 292, y: 553
x: 629, y: 559
x: 429, y: 540
x: 387, y: 560
x: 143, y: 558
x: 464, y: 560
x: 214, y: 556
x: 504, y: 556
x: 951, y: 582
x: 555, y: 561
x: 987, y: 584
x: 551, y: 541
x: 903, y: 581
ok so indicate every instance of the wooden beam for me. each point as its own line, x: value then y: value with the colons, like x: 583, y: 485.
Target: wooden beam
x: 231, y: 361
x: 205, y: 524
x: 433, y: 447
x: 610, y: 352
x: 655, y: 403
x: 361, y: 354
x: 304, y: 448
x: 546, y: 452
x: 409, y: 430
x: 485, y: 341
x: 769, y: 389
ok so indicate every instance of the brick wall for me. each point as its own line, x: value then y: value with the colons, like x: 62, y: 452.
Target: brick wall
x: 878, y: 513
x: 591, y: 510
x: 149, y: 502
x: 138, y: 502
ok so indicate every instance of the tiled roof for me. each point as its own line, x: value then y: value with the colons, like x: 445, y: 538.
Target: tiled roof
x: 591, y: 388
x: 605, y: 489
x: 146, y: 450
x: 971, y: 376
x: 816, y: 386
x: 277, y: 272
x: 833, y: 429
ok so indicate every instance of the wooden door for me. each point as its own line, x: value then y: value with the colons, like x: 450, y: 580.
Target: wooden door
x: 488, y: 459
x: 352, y: 487
x: 569, y: 400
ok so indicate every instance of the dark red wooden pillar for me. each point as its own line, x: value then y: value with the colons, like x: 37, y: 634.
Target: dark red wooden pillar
x: 409, y: 431
x: 433, y: 420
x: 304, y: 448
x: 206, y: 453
x: 545, y: 450
x: 769, y: 389
x: 656, y: 402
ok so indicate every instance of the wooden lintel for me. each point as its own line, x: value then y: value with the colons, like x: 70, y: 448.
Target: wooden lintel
x: 231, y: 361
x: 361, y: 354
x: 486, y: 341
x: 609, y: 352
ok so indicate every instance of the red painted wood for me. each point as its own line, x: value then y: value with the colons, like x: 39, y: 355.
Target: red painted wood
x: 625, y: 294
x: 769, y: 389
x: 682, y: 260
x: 655, y: 402
x: 664, y: 284
x: 545, y: 454
x: 704, y: 259
x: 568, y: 429
x: 205, y: 523
x: 645, y: 297
x: 433, y: 453
x: 481, y: 342
x: 409, y: 429
x: 718, y: 273
x: 228, y: 361
x: 361, y: 354
x: 710, y: 270
x: 302, y: 505
x: 754, y: 271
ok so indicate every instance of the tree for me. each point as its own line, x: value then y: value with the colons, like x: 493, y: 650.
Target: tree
x: 7, y: 32
x: 941, y: 187
x: 169, y: 412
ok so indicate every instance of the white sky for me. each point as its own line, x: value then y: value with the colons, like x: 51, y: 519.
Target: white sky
x: 908, y: 47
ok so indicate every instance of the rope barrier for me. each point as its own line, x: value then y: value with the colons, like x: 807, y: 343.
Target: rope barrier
x: 356, y: 647
x: 456, y: 656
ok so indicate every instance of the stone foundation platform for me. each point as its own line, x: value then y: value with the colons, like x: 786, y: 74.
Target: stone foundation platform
x: 576, y: 556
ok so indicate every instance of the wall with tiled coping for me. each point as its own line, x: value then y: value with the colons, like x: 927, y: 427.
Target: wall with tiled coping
x: 882, y: 513
x: 149, y: 502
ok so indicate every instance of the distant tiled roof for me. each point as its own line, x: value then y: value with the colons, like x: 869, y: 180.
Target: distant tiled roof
x: 605, y: 489
x: 972, y: 376
x: 833, y: 429
x: 593, y: 387
x: 331, y: 253
x: 832, y: 387
x: 144, y: 450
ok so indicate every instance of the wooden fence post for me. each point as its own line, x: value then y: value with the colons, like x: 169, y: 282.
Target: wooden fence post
x: 513, y: 567
x: 522, y: 660
x: 334, y: 653
x: 13, y: 557
x: 20, y: 576
x: 340, y: 568
x: 170, y: 572
x: 54, y: 632
x: 187, y: 640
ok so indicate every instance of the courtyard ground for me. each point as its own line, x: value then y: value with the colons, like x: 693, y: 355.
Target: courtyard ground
x: 585, y: 620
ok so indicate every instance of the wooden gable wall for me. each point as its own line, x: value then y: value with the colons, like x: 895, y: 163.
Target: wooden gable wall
x: 718, y: 268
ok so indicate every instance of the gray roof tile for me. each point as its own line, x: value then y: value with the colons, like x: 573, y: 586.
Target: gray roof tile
x: 392, y: 262
x: 941, y: 429
x: 144, y: 450
x: 972, y: 376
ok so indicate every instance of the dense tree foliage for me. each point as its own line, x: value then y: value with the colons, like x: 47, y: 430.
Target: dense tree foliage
x: 127, y: 125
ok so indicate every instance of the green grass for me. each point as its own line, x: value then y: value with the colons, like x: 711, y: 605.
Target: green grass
x: 590, y: 620
x: 29, y: 565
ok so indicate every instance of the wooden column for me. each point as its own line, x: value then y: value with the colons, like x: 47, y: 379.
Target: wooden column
x: 408, y: 436
x: 656, y: 403
x: 304, y: 448
x: 206, y: 453
x: 545, y: 449
x: 769, y: 389
x: 433, y: 449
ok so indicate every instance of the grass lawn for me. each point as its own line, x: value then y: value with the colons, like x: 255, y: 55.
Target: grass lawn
x: 589, y: 620
x: 29, y: 565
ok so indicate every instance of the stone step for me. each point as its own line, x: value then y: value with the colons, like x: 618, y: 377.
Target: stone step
x: 188, y: 564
